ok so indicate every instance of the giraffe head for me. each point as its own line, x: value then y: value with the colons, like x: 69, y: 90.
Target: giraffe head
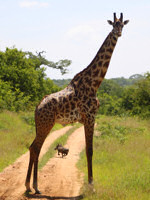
x: 118, y: 24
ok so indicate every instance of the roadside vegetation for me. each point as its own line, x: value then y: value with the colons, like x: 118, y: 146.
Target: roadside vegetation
x: 121, y: 160
x: 17, y: 132
x: 15, y: 137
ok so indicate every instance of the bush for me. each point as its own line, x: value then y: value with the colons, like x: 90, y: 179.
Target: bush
x: 136, y: 98
x: 127, y: 100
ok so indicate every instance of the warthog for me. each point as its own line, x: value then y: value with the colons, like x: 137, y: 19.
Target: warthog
x: 62, y: 150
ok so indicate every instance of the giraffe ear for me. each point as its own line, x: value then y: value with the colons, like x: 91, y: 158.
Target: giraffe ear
x: 110, y: 22
x: 125, y: 22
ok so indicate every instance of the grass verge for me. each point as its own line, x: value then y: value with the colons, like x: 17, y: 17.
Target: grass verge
x: 121, y: 160
x: 17, y: 132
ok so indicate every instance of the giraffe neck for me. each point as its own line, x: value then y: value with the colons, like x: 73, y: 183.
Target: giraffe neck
x: 92, y: 76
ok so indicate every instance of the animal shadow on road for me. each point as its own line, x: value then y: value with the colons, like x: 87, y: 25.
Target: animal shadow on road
x: 32, y: 196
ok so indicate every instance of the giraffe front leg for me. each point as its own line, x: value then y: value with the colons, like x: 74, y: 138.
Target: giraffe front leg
x: 35, y: 176
x: 27, y: 183
x: 35, y: 186
x: 89, y: 130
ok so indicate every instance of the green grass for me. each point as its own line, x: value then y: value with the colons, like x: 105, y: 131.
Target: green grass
x: 15, y: 137
x: 17, y: 132
x: 61, y: 140
x: 121, y: 160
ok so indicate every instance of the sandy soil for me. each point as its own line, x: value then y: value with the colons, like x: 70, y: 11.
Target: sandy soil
x: 59, y: 179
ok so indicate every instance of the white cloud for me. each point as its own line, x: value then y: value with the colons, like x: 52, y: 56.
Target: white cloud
x: 31, y: 4
x: 80, y: 30
x: 90, y: 31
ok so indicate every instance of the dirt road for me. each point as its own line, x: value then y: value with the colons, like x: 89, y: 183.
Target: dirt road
x: 59, y: 179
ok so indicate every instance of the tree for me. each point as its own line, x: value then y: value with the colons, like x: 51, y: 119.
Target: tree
x: 24, y: 73
x: 109, y: 95
x: 110, y: 87
x: 136, y: 76
x: 130, y: 99
x: 136, y: 98
x: 40, y: 60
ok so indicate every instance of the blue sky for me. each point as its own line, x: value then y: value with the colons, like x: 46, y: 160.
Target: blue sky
x: 75, y: 30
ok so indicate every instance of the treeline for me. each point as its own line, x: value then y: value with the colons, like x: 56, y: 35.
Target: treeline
x: 133, y: 98
x: 23, y: 81
x: 61, y: 82
x: 120, y: 81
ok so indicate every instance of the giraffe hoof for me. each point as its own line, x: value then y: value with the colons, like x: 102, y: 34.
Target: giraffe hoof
x: 91, y: 188
x: 91, y: 182
x: 37, y: 192
x: 27, y: 192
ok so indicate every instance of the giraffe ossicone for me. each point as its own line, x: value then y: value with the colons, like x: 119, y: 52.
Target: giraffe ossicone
x: 76, y: 103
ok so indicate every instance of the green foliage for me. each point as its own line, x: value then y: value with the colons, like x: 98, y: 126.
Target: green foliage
x: 130, y: 100
x: 109, y: 105
x: 136, y: 77
x: 109, y: 95
x: 28, y: 117
x: 121, y: 169
x: 109, y: 129
x: 61, y: 82
x: 15, y: 137
x: 23, y: 81
x: 126, y: 82
x: 136, y: 99
x: 110, y: 87
x: 12, y: 100
x: 41, y: 60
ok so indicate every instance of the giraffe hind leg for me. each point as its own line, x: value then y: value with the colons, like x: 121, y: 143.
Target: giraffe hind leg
x: 42, y: 130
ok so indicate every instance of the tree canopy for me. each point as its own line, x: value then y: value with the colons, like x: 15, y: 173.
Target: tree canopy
x: 23, y: 79
x: 127, y: 100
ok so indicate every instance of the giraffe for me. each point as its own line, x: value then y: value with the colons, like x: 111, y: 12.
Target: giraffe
x: 76, y: 103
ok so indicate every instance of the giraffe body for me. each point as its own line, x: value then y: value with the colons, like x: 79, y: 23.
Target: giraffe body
x: 63, y: 104
x: 76, y: 103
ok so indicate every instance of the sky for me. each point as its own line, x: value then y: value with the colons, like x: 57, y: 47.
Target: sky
x: 75, y: 30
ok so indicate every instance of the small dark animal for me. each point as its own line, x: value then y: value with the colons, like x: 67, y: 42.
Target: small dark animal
x: 62, y: 150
